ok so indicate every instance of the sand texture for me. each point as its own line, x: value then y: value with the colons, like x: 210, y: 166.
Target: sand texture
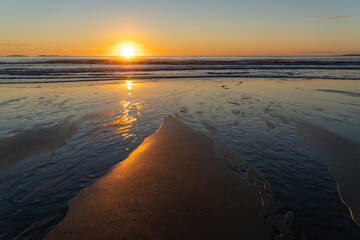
x: 178, y: 184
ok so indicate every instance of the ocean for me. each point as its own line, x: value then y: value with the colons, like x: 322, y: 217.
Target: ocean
x: 76, y: 69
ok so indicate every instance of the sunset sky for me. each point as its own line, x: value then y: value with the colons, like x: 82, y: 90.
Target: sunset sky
x: 186, y: 28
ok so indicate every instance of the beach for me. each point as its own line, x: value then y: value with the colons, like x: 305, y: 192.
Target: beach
x: 69, y: 134
x: 177, y: 184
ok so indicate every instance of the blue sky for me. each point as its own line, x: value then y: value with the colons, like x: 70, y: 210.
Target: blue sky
x: 180, y: 27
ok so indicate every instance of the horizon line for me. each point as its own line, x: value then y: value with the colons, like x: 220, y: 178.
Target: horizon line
x: 305, y: 55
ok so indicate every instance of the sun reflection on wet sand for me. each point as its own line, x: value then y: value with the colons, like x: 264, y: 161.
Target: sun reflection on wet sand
x: 126, y: 120
x: 118, y: 124
x: 129, y: 84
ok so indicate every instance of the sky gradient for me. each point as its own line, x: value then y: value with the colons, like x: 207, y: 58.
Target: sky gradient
x: 180, y: 28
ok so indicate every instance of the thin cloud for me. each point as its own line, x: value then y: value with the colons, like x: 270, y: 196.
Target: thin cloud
x: 13, y: 45
x: 65, y: 49
x: 331, y: 18
x: 192, y: 29
x: 323, y: 52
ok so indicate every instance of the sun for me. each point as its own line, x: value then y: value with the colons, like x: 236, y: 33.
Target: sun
x: 127, y: 52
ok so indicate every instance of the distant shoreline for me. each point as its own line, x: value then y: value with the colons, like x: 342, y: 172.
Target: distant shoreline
x: 351, y: 55
x: 16, y: 56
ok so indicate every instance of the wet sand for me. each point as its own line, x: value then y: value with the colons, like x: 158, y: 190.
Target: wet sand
x: 341, y: 156
x: 33, y: 143
x: 57, y: 156
x: 178, y: 184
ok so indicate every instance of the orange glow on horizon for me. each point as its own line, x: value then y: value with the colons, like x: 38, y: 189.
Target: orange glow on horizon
x: 144, y: 46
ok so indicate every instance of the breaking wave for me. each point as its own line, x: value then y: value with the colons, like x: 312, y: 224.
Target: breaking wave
x: 77, y: 69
